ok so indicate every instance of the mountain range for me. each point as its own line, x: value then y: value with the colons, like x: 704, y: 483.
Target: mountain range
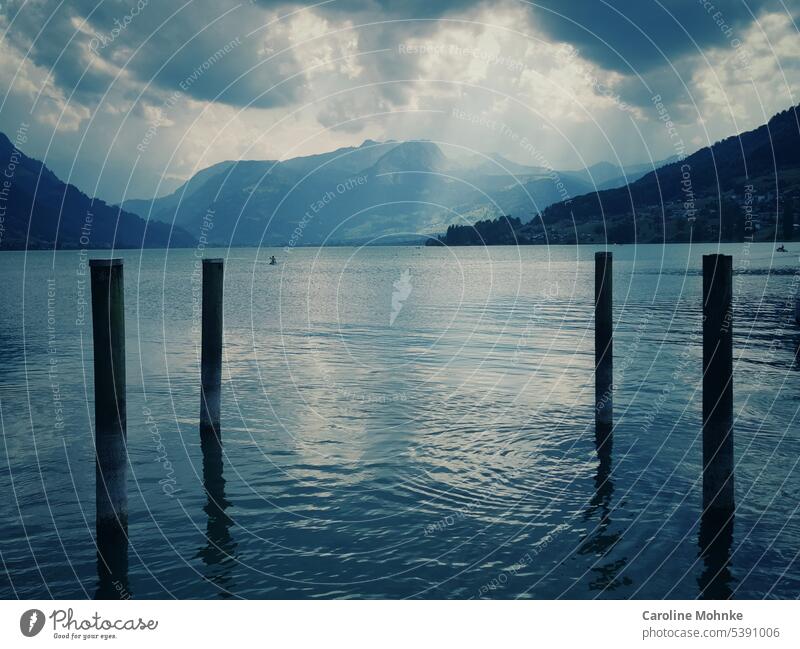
x: 37, y: 210
x: 402, y: 192
x: 743, y: 188
x: 378, y: 192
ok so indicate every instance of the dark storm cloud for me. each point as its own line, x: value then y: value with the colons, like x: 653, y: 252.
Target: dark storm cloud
x: 620, y: 35
x: 638, y: 35
x: 196, y: 47
x: 340, y: 63
x: 176, y: 39
x: 655, y: 45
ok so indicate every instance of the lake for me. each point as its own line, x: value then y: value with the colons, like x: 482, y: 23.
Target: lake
x: 402, y: 422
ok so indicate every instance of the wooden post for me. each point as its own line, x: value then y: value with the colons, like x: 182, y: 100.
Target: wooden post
x: 211, y: 348
x: 603, y: 344
x: 111, y: 450
x: 718, y: 492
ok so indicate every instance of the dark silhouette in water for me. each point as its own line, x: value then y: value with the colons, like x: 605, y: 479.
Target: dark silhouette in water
x: 600, y: 542
x: 796, y: 346
x: 272, y: 261
x: 219, y: 552
x: 715, y: 540
x: 112, y: 561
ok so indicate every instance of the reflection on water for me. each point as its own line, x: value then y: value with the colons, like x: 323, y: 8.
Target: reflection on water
x: 600, y: 541
x: 448, y: 452
x: 796, y: 346
x: 112, y: 560
x: 715, y: 540
x: 219, y: 552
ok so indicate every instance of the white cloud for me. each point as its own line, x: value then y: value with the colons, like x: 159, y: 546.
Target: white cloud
x: 309, y: 85
x: 755, y: 75
x: 47, y: 101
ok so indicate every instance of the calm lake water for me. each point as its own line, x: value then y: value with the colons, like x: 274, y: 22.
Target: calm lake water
x: 402, y: 422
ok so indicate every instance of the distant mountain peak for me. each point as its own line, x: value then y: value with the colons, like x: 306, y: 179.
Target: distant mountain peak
x: 412, y: 155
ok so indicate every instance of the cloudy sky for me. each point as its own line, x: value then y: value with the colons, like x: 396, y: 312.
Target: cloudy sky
x: 128, y: 98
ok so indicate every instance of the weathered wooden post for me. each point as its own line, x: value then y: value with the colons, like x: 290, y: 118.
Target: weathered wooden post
x: 718, y: 383
x: 111, y: 450
x: 211, y: 348
x: 603, y: 344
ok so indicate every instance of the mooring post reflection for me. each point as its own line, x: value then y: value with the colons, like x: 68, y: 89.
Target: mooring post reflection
x: 603, y: 484
x: 112, y: 561
x: 111, y: 452
x: 599, y: 542
x: 715, y: 541
x: 218, y: 554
